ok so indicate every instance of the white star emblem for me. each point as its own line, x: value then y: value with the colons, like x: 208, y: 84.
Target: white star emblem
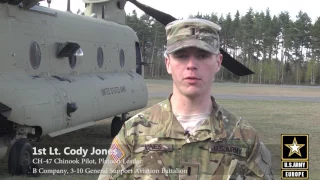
x: 294, y: 147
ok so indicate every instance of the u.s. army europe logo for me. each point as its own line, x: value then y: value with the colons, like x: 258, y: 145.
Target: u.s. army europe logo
x: 294, y: 156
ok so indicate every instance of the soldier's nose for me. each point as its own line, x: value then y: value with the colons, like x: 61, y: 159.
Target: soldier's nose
x: 192, y: 65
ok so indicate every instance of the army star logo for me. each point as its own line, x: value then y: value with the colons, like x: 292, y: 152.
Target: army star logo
x: 294, y: 147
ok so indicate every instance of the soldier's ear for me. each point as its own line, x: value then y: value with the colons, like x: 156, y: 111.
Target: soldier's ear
x: 219, y: 62
x: 168, y: 65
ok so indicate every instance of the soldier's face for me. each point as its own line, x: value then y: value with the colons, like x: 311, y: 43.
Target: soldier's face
x: 193, y: 70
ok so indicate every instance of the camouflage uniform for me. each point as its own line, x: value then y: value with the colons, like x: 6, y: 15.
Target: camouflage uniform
x: 223, y: 147
x: 154, y: 145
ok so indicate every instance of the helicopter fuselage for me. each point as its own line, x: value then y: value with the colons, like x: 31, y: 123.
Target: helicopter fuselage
x: 56, y: 95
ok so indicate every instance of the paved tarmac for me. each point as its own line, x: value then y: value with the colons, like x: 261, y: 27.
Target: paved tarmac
x: 251, y: 97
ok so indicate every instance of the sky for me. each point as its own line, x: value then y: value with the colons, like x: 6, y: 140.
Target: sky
x: 184, y: 8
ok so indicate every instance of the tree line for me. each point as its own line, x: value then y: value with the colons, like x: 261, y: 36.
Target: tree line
x: 278, y: 49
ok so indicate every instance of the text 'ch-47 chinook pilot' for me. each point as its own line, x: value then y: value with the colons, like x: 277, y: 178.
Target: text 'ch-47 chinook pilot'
x: 188, y: 135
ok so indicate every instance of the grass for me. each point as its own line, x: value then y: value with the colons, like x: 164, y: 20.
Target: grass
x: 269, y: 118
x: 273, y: 118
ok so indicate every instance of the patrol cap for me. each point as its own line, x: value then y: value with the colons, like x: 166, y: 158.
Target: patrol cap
x: 199, y: 33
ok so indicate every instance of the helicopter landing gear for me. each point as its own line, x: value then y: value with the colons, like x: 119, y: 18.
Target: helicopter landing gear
x: 20, y: 158
x: 117, y: 123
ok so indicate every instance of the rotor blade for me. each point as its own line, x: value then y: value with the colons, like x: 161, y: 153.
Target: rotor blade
x: 162, y: 17
x: 228, y: 62
x: 233, y: 65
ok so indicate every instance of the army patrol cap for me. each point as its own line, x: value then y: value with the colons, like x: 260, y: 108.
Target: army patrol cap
x: 199, y: 33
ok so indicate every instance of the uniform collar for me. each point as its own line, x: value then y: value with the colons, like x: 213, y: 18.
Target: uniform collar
x: 169, y: 126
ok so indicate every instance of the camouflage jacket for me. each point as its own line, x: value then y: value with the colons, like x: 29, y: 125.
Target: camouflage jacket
x: 153, y: 145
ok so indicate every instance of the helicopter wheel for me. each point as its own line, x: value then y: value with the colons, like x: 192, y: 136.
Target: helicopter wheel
x: 116, y: 126
x: 20, y: 158
x: 14, y: 2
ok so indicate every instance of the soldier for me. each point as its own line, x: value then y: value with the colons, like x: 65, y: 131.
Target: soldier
x: 188, y: 135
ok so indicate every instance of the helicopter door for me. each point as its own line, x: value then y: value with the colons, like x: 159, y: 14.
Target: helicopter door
x: 138, y: 59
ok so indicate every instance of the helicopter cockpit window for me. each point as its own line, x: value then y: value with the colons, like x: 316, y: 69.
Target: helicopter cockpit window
x: 35, y: 55
x: 72, y: 61
x: 100, y: 57
x: 138, y: 59
x: 122, y: 58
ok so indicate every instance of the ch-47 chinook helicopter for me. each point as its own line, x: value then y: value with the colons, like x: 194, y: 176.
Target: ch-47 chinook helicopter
x: 61, y: 72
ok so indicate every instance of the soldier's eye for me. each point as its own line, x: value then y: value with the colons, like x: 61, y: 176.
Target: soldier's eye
x: 203, y: 55
x: 181, y: 56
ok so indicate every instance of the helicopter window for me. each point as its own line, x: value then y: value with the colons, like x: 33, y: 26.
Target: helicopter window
x: 100, y: 57
x: 35, y: 55
x: 72, y: 61
x: 122, y: 58
x: 138, y: 59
